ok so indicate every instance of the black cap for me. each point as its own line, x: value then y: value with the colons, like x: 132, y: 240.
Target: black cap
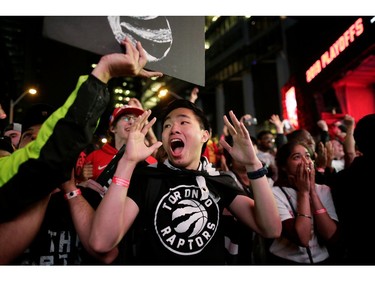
x: 183, y: 103
x: 364, y: 134
x: 36, y: 115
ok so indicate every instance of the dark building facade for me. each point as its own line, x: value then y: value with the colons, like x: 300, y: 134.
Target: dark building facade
x: 301, y: 68
x: 332, y: 64
x: 246, y: 65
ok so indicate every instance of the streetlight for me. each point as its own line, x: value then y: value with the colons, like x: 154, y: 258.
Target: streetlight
x: 30, y: 91
x: 164, y: 92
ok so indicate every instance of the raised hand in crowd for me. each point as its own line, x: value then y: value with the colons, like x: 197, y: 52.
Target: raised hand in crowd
x: 275, y: 119
x: 24, y: 193
x: 129, y: 64
x: 349, y: 141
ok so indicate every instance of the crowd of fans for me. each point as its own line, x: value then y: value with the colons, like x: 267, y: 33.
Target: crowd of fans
x: 280, y: 197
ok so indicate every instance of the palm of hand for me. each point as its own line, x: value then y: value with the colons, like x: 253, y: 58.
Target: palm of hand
x: 242, y: 150
x: 303, y: 179
x: 321, y: 157
x: 136, y: 148
x: 301, y: 184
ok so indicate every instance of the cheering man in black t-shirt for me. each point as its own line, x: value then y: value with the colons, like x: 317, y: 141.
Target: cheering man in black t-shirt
x: 175, y: 207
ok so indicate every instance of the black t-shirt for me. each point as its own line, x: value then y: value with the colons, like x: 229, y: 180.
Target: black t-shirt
x: 353, y: 194
x: 57, y: 242
x: 180, y: 219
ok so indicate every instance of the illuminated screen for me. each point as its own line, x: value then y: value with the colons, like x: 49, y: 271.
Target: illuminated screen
x: 291, y: 107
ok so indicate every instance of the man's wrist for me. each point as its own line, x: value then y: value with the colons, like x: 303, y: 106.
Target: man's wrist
x: 71, y: 194
x: 101, y: 73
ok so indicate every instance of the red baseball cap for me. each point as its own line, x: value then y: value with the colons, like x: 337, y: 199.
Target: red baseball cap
x: 125, y: 109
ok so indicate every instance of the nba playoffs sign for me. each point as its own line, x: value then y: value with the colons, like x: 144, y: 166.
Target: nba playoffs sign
x: 174, y: 45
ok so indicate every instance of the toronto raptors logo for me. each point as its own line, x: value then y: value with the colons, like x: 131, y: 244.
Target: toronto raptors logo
x: 153, y: 32
x: 186, y: 220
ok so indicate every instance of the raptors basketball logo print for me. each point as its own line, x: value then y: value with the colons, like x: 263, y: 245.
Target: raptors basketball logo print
x: 186, y: 219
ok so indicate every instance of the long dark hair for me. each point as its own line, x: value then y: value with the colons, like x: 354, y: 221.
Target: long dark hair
x: 282, y: 155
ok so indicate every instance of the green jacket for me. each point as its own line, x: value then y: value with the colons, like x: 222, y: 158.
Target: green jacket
x: 32, y: 172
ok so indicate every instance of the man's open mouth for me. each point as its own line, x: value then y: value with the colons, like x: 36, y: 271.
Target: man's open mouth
x: 177, y: 145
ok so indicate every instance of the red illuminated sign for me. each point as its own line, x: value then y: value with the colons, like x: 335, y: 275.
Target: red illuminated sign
x: 348, y: 37
x: 291, y: 107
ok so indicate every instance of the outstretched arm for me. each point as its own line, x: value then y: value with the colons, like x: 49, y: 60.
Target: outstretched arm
x: 62, y: 142
x: 349, y: 142
x: 280, y: 134
x: 64, y: 134
x: 116, y: 212
x: 82, y: 215
x: 260, y: 214
x: 242, y: 150
x: 17, y: 234
x: 114, y: 65
x: 275, y: 119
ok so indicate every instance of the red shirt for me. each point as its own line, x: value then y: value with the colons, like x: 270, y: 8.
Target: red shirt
x: 211, y: 152
x: 100, y: 159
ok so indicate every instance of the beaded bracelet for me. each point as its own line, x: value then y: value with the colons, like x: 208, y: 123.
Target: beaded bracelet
x: 320, y: 211
x: 303, y: 215
x: 72, y: 194
x: 121, y: 182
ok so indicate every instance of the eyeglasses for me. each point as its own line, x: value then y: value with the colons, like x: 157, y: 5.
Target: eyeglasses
x: 128, y: 118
